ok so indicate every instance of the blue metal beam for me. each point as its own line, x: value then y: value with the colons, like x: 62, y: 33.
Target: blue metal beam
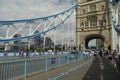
x: 35, y: 19
x: 30, y: 20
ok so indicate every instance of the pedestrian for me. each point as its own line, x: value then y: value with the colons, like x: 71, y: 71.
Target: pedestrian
x: 14, y: 53
x: 39, y: 52
x: 110, y: 57
x: 115, y: 56
x: 106, y: 53
x: 19, y: 53
x: 22, y: 52
x: 27, y: 53
x: 100, y: 53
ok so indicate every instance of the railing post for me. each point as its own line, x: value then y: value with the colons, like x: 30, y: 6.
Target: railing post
x: 78, y: 57
x: 82, y: 56
x: 59, y: 61
x: 46, y: 65
x: 68, y: 60
x: 25, y: 70
x: 74, y: 58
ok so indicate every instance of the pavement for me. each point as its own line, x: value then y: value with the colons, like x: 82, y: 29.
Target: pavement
x: 97, y: 69
x: 55, y: 71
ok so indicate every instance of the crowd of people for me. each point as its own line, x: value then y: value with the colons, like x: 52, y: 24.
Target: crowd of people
x: 111, y: 56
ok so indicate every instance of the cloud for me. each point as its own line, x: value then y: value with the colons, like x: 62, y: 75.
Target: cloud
x: 27, y: 9
x: 22, y: 9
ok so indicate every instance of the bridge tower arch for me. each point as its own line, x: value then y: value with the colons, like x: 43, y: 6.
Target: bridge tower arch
x: 100, y: 38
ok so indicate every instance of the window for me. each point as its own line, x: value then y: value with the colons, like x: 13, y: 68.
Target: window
x: 93, y: 20
x: 86, y: 23
x: 102, y: 7
x: 82, y: 24
x: 83, y: 11
x: 92, y: 8
x: 93, y: 23
x: 102, y: 22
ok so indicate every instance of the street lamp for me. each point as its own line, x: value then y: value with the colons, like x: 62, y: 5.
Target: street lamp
x: 71, y: 44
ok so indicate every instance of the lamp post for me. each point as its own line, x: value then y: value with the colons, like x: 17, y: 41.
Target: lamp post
x: 71, y: 44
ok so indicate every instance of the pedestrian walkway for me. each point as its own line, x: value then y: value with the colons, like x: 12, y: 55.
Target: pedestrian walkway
x: 55, y: 71
x: 97, y: 69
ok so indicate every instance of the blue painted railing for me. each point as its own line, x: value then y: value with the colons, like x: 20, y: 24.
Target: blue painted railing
x: 10, y: 70
x: 70, y: 70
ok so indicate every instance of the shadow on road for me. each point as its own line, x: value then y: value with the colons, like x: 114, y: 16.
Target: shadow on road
x: 100, y: 69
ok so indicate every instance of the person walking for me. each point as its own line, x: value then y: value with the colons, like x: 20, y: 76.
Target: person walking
x: 27, y: 53
x: 110, y: 57
x: 22, y: 52
x: 115, y: 57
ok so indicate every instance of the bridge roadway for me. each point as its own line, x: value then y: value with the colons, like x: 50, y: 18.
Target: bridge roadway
x: 8, y: 58
x: 97, y: 69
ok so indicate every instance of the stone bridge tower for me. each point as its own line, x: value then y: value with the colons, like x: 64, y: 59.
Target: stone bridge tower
x: 93, y: 22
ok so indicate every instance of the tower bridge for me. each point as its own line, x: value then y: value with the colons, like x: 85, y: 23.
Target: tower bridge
x: 95, y: 20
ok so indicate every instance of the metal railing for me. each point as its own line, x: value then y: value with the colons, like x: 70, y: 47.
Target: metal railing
x: 10, y: 70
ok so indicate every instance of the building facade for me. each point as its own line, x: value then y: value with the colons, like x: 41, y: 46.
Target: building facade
x: 115, y: 12
x: 93, y: 22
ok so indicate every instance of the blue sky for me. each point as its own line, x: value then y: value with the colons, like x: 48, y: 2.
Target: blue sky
x: 22, y: 9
